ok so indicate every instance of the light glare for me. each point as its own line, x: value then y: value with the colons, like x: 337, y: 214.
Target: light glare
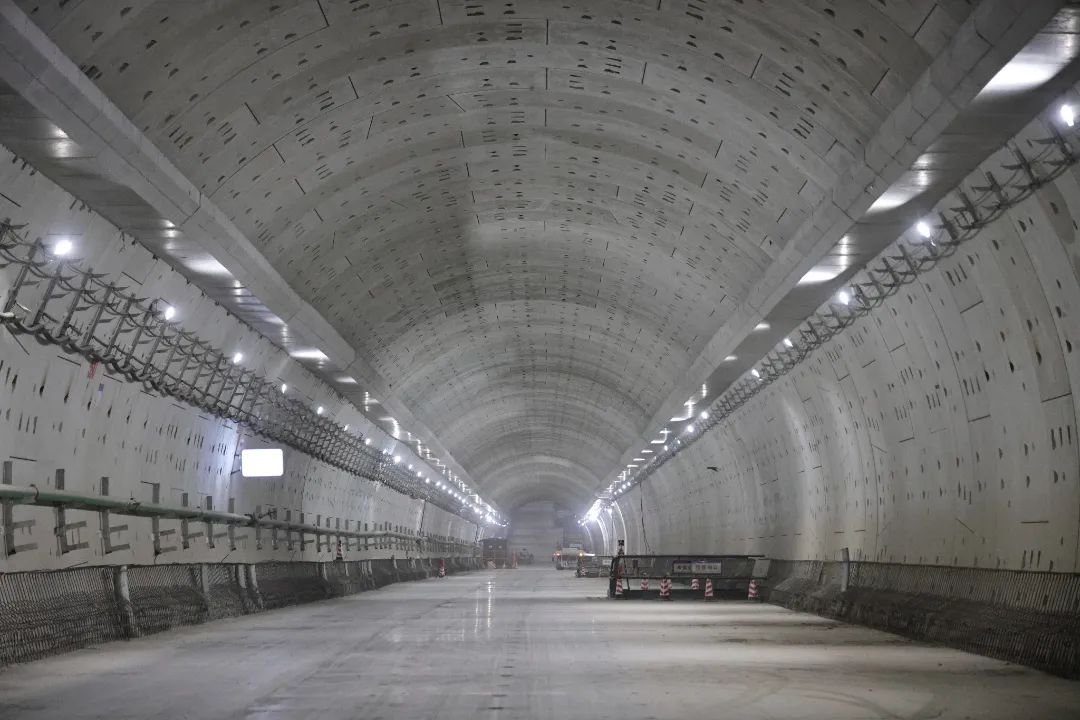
x: 1067, y: 115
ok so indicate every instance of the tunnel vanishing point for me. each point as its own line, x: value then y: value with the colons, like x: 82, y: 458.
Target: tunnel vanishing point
x: 332, y: 328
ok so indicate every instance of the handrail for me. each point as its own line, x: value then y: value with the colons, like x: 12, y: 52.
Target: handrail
x: 33, y: 495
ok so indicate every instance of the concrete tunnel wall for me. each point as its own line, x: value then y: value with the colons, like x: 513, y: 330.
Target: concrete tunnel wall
x: 940, y: 429
x: 59, y: 416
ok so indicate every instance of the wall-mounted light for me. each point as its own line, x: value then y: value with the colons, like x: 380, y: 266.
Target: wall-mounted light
x: 397, y: 459
x: 844, y: 297
x: 1067, y: 115
x: 788, y: 343
x: 755, y: 373
x: 690, y: 428
x: 237, y: 357
x: 170, y: 312
x: 704, y: 415
x: 320, y: 410
x: 923, y: 228
x: 762, y: 326
x: 367, y: 441
x: 284, y: 388
x: 731, y: 358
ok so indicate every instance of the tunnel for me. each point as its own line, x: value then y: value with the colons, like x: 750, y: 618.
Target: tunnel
x: 539, y: 359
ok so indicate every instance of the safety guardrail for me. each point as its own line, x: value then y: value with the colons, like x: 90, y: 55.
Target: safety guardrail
x: 709, y: 574
x: 48, y: 612
x: 11, y: 495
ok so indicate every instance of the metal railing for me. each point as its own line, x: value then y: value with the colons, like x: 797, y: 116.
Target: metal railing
x: 57, y: 301
x: 11, y: 495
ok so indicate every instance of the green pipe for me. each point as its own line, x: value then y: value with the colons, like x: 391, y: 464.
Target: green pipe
x: 50, y: 498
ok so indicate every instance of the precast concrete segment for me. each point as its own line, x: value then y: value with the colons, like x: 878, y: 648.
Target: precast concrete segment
x: 528, y: 219
x: 531, y: 643
x: 68, y: 420
x: 939, y: 429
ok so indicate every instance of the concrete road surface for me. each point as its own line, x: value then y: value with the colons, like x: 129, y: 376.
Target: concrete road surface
x: 528, y: 643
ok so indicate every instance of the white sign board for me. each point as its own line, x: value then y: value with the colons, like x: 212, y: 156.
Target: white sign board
x: 262, y: 463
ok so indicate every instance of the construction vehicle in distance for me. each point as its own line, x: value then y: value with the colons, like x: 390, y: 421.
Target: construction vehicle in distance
x: 495, y: 552
x: 566, y: 558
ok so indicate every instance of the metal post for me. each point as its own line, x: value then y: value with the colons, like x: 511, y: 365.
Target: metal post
x: 204, y: 584
x: 253, y: 585
x: 845, y: 574
x: 123, y: 602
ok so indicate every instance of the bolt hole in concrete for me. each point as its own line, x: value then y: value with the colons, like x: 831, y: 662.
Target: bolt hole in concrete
x: 438, y: 649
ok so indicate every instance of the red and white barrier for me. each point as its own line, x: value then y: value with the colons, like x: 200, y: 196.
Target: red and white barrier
x: 644, y: 584
x: 665, y: 589
x: 694, y: 584
x: 618, y: 587
x: 442, y: 568
x: 709, y: 589
x: 751, y: 593
x: 340, y: 554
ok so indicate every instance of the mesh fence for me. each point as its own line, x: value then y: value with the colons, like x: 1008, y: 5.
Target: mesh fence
x: 290, y: 583
x: 166, y: 596
x: 226, y: 596
x: 44, y: 613
x: 1026, y: 617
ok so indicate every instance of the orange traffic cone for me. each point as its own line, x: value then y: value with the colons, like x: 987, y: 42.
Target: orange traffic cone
x: 665, y: 589
x: 708, y: 589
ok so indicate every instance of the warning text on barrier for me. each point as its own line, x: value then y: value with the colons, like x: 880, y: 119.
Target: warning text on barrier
x: 695, y: 567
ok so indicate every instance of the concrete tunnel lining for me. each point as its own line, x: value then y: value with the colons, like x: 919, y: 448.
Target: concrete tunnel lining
x: 503, y: 243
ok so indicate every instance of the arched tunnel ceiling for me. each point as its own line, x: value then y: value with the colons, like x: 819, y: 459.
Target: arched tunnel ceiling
x: 528, y: 217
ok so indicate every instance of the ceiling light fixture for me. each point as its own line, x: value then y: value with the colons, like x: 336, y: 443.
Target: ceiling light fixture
x: 62, y: 247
